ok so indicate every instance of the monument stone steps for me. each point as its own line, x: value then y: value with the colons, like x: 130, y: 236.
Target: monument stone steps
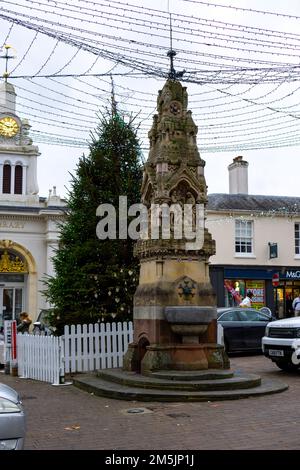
x: 238, y: 381
x: 110, y: 389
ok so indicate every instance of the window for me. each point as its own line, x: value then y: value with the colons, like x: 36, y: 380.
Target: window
x: 250, y: 315
x: 18, y: 179
x: 6, y: 186
x: 229, y: 316
x: 243, y: 236
x: 297, y: 239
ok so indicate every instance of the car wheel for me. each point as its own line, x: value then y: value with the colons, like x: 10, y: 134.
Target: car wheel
x: 226, y: 346
x: 287, y: 366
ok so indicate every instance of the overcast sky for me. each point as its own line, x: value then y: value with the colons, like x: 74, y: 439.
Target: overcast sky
x: 261, y: 109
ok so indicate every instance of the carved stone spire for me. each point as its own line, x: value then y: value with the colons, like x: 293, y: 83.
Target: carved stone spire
x: 174, y: 171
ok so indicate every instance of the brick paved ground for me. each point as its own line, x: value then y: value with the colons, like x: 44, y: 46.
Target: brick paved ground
x: 64, y: 417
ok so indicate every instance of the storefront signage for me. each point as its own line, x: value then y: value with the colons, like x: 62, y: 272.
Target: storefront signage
x: 258, y: 290
x: 292, y: 274
x: 261, y: 274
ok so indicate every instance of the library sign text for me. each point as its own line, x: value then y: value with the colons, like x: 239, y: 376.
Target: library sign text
x: 15, y: 224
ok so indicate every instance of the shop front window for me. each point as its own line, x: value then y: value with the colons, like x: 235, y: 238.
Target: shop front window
x: 236, y: 290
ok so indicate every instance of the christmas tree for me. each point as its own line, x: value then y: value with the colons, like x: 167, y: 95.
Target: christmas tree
x: 95, y: 280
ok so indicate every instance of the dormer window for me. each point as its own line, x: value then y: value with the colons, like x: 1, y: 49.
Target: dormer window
x: 6, y: 185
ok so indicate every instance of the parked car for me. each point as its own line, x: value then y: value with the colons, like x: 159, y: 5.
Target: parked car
x: 12, y: 419
x: 42, y: 324
x: 278, y: 340
x: 243, y: 327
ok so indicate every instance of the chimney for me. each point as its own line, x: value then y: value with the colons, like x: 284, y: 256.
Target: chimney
x: 238, y: 176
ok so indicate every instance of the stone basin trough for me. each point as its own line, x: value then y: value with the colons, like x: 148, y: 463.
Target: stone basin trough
x: 190, y: 321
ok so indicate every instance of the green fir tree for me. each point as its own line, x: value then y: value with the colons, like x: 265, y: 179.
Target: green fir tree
x: 95, y: 280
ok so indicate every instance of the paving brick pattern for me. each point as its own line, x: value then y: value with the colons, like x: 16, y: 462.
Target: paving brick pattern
x: 64, y: 417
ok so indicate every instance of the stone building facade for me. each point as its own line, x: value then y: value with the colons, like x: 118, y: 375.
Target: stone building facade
x: 28, y: 222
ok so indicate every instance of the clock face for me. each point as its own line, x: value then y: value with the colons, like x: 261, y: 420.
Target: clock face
x: 8, y: 126
x: 175, y: 108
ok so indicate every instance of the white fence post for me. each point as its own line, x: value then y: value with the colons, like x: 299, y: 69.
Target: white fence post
x: 61, y: 359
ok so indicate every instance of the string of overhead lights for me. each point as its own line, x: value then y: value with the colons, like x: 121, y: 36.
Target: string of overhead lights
x: 250, y: 10
x: 211, y: 103
x: 201, y: 107
x: 69, y: 62
x: 26, y: 53
x: 132, y: 105
x: 161, y: 15
x: 62, y: 7
x: 194, y: 20
x: 158, y: 26
x: 80, y: 29
x: 48, y: 59
x: 233, y: 130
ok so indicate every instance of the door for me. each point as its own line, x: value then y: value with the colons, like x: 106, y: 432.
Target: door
x: 11, y: 303
x: 233, y: 330
x: 254, y: 324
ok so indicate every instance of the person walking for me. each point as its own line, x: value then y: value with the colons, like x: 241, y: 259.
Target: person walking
x: 247, y: 301
x: 296, y: 306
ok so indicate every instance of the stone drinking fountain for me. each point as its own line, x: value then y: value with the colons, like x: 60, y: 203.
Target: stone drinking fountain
x: 174, y: 355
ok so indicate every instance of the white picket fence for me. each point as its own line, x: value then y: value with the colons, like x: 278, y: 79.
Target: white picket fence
x: 82, y: 348
x: 98, y: 346
x: 40, y: 357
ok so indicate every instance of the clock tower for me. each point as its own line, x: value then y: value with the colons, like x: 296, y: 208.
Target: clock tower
x: 29, y: 229
x: 18, y: 156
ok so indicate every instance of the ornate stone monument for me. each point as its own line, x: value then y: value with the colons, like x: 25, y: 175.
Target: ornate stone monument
x: 174, y: 305
x: 174, y: 355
